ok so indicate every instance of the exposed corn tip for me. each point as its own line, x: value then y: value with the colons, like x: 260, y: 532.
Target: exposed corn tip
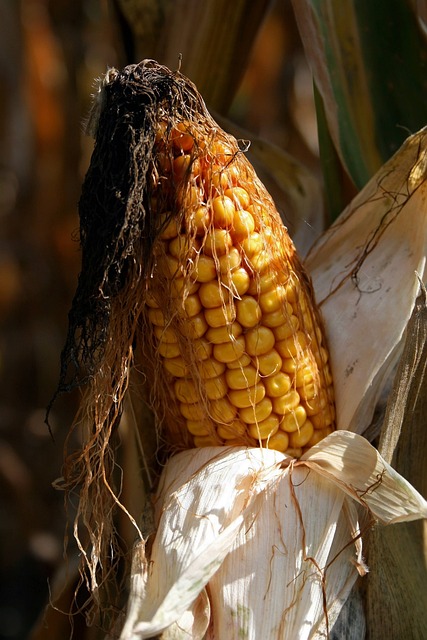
x: 241, y: 347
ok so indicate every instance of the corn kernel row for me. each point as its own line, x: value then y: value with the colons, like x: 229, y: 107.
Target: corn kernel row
x: 242, y: 352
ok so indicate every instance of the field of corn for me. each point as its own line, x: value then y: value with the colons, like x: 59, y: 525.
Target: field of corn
x: 235, y: 386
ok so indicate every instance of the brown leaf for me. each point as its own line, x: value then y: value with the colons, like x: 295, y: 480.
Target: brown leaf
x: 397, y: 586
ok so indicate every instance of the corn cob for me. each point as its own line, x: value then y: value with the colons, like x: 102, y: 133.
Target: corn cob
x: 241, y: 357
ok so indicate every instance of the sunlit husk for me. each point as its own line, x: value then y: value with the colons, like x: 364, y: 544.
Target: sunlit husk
x: 364, y: 274
x: 277, y: 542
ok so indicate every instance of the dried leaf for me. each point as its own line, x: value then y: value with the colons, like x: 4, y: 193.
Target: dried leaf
x: 213, y: 38
x: 356, y: 466
x: 396, y: 593
x: 363, y: 270
x: 276, y: 541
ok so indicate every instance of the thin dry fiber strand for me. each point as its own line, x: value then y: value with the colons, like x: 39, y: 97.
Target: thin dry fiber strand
x: 158, y: 157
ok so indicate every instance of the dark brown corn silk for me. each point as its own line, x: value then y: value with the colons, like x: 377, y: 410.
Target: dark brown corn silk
x: 189, y: 275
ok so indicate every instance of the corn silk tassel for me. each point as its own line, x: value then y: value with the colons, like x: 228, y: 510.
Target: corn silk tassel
x: 190, y: 282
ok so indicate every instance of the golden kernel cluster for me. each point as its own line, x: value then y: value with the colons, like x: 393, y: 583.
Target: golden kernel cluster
x: 241, y: 347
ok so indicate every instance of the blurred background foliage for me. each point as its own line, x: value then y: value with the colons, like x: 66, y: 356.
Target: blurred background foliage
x: 248, y: 60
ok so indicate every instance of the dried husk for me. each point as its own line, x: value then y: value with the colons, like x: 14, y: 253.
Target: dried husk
x: 396, y: 591
x: 364, y: 274
x: 243, y: 522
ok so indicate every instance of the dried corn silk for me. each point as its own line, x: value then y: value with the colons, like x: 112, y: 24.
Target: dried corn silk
x: 201, y: 287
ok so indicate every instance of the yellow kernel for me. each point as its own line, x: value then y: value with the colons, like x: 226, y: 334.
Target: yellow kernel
x: 327, y: 375
x: 294, y: 420
x: 194, y: 327
x: 223, y: 212
x: 292, y: 346
x: 179, y: 247
x: 316, y: 405
x: 181, y: 165
x: 264, y: 282
x: 275, y: 319
x: 219, y: 335
x: 277, y: 384
x: 247, y: 397
x: 302, y: 436
x: 192, y: 305
x: 318, y: 435
x: 286, y: 403
x: 225, y: 178
x: 201, y: 220
x: 243, y: 361
x: 308, y: 391
x: 220, y: 316
x: 164, y: 162
x: 222, y: 411
x: 261, y: 261
x: 273, y: 299
x: 278, y: 441
x: 202, y: 349
x: 150, y: 300
x: 168, y: 349
x: 294, y: 452
x: 216, y: 388
x: 252, y: 245
x: 185, y: 391
x: 259, y: 340
x: 264, y: 429
x: 287, y: 329
x: 205, y: 269
x: 165, y: 334
x: 242, y: 378
x: 232, y: 430
x: 321, y: 357
x: 176, y: 366
x: 269, y: 363
x: 323, y: 419
x: 229, y: 351
x: 206, y: 441
x: 231, y: 260
x: 170, y: 227
x: 156, y: 317
x: 195, y: 411
x: 248, y: 311
x: 181, y: 139
x: 212, y: 295
x: 258, y: 413
x: 243, y: 225
x: 303, y: 375
x: 180, y: 286
x: 198, y: 428
x: 218, y: 242
x: 239, y: 196
x: 259, y: 214
x: 237, y: 281
x: 221, y: 150
x: 293, y: 287
x: 210, y: 369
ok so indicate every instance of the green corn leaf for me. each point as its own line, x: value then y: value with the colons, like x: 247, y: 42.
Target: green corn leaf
x: 369, y: 61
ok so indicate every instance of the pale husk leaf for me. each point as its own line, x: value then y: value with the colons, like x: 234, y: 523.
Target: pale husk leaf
x: 350, y: 461
x: 272, y: 537
x: 203, y: 497
x: 363, y: 270
x: 274, y: 581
